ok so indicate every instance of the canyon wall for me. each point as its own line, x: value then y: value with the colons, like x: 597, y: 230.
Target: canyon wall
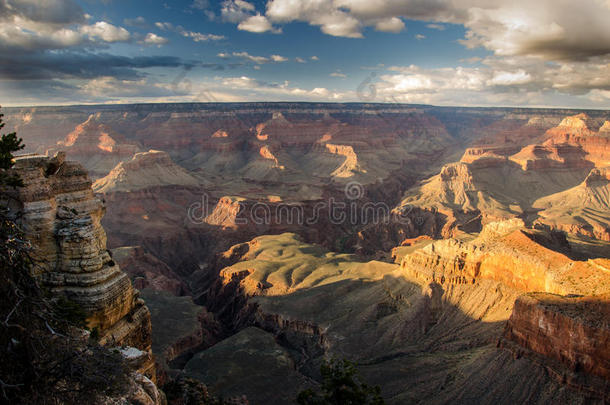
x: 61, y: 218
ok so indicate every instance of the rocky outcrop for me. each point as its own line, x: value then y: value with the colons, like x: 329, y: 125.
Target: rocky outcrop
x: 582, y: 210
x: 506, y: 253
x: 267, y: 154
x: 61, y: 217
x: 573, y: 330
x: 350, y: 166
x: 579, y: 130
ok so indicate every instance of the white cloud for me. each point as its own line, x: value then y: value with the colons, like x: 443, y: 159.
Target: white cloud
x: 332, y: 20
x: 106, y: 32
x: 393, y: 24
x: 252, y: 58
x: 300, y: 60
x: 236, y: 11
x: 439, y: 27
x: 337, y: 74
x: 154, y: 39
x: 199, y: 37
x: 245, y: 88
x: 256, y: 59
x: 314, y: 58
x: 420, y: 36
x: 195, y: 36
x: 552, y: 29
x: 258, y: 24
x: 278, y: 58
x: 165, y: 26
x: 510, y: 78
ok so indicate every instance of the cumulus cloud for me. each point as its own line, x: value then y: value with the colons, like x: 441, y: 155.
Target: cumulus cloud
x: 550, y: 29
x: 258, y: 24
x: 392, y: 24
x: 278, y: 58
x: 106, y: 32
x: 236, y: 11
x: 34, y: 25
x: 331, y: 19
x: 42, y: 11
x: 154, y: 39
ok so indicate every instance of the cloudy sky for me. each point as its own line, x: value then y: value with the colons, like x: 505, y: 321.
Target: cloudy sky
x: 443, y: 52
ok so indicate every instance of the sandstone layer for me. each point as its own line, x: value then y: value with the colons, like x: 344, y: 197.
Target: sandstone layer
x: 61, y: 217
x: 572, y: 330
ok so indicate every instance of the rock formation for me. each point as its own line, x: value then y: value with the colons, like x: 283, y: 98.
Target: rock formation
x: 145, y: 169
x: 96, y: 146
x: 572, y: 330
x: 435, y: 318
x: 61, y: 217
x: 502, y: 181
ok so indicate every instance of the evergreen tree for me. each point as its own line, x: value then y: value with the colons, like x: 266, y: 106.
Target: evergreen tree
x: 9, y: 144
x: 341, y: 385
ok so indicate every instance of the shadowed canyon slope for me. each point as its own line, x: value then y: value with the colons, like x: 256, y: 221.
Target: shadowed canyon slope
x: 471, y: 263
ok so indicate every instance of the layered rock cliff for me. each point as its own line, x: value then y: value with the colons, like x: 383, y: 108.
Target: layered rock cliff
x: 61, y: 217
x: 572, y: 330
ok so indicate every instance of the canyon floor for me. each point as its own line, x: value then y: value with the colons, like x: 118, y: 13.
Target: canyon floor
x: 457, y: 255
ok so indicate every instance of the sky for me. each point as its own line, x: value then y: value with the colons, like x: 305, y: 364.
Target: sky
x: 543, y: 53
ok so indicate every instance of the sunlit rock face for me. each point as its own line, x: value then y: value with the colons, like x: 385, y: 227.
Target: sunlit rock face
x: 61, y: 217
x: 572, y: 330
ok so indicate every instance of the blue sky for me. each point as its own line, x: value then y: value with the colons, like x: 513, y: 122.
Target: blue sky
x: 453, y: 52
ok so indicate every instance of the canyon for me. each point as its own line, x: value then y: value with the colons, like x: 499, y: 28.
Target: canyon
x: 471, y: 263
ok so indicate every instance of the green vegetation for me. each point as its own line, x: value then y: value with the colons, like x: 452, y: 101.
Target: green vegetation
x: 188, y: 391
x: 9, y: 144
x: 341, y: 385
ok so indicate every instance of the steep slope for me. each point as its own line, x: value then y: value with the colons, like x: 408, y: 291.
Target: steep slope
x: 583, y: 210
x: 145, y: 169
x: 61, y: 217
